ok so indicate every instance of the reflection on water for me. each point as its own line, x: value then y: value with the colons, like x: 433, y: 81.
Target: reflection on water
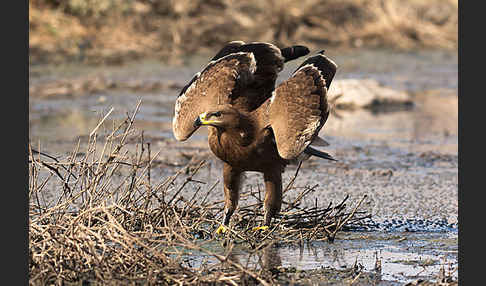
x: 64, y: 119
x: 403, y: 261
x: 430, y: 125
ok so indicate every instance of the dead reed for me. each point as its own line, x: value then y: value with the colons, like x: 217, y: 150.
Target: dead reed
x: 113, y: 31
x: 98, y: 216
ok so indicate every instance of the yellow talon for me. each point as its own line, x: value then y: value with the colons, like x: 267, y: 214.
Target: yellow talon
x: 221, y: 229
x: 264, y: 227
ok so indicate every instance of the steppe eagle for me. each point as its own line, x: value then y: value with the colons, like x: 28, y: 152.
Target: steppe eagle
x: 253, y: 125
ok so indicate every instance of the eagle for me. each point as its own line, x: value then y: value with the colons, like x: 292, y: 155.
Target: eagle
x: 254, y: 125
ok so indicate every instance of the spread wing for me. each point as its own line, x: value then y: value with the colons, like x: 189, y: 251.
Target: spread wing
x: 240, y: 74
x: 215, y: 84
x: 299, y: 108
x: 269, y: 62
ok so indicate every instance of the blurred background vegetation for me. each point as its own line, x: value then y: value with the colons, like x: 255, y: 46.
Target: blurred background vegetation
x: 114, y: 31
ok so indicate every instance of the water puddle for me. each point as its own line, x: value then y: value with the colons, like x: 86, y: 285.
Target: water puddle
x: 396, y: 258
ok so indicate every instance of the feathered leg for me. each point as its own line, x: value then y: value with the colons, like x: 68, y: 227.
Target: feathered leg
x: 273, y: 195
x: 232, y: 181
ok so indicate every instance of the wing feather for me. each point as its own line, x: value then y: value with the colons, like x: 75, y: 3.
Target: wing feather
x: 269, y: 62
x: 240, y: 74
x: 299, y: 106
x: 214, y: 85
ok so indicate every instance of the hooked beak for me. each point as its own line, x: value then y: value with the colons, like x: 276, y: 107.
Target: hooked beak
x: 197, y: 122
x: 201, y: 120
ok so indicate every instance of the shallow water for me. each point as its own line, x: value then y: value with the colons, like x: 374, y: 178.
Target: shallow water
x: 405, y: 160
x: 402, y: 256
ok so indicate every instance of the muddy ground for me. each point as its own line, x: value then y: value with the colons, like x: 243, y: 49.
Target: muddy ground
x: 404, y: 157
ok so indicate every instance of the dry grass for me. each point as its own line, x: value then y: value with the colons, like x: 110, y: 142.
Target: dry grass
x: 108, y: 222
x: 114, y: 31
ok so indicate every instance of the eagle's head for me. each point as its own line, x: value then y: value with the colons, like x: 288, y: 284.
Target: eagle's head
x: 223, y: 117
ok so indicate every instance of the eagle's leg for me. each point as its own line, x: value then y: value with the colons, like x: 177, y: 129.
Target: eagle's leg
x: 273, y: 195
x: 232, y: 180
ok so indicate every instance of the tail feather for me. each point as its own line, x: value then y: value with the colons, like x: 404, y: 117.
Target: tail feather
x: 318, y: 141
x: 293, y: 52
x: 314, y: 152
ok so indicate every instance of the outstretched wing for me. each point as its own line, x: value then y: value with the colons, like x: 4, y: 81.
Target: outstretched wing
x: 269, y: 62
x: 240, y: 74
x: 214, y: 85
x: 299, y: 108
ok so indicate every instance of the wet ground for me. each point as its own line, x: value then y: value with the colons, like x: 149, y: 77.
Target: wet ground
x: 404, y: 159
x: 387, y: 258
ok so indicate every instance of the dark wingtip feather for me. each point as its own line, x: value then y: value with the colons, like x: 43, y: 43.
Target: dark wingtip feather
x: 325, y: 65
x: 314, y: 152
x: 293, y: 52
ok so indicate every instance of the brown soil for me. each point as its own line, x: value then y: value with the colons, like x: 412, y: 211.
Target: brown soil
x: 112, y: 32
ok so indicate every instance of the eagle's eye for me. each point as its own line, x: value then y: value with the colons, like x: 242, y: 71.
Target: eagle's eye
x: 217, y: 114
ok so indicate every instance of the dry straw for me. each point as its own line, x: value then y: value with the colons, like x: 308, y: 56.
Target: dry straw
x: 108, y: 222
x: 113, y: 31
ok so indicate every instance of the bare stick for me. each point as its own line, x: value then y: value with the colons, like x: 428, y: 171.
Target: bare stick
x: 101, y: 122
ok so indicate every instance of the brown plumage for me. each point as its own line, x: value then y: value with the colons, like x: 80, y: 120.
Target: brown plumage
x: 254, y: 126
